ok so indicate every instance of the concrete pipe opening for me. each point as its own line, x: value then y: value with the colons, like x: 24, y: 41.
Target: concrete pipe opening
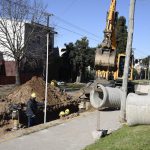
x: 101, y: 97
x: 98, y: 97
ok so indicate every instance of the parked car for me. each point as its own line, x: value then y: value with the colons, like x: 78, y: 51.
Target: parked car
x: 60, y: 83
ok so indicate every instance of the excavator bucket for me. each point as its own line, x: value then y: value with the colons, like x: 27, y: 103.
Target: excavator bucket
x: 105, y: 59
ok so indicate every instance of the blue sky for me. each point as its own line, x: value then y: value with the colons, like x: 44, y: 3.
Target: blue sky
x: 90, y: 15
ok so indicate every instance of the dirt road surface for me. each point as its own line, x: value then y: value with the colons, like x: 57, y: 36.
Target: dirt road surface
x: 72, y: 135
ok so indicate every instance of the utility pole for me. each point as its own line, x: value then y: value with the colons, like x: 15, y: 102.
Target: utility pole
x: 127, y: 60
x: 149, y: 69
x: 47, y: 53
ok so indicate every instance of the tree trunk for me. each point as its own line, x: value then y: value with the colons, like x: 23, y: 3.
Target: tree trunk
x: 17, y: 73
x: 78, y: 79
x: 145, y: 73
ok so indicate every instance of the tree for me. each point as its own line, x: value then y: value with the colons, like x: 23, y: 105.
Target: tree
x: 76, y: 58
x: 14, y: 14
x: 121, y: 34
x: 81, y: 51
x: 68, y: 67
x: 145, y: 61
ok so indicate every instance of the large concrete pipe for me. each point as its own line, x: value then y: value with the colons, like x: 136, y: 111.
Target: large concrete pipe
x: 138, y: 109
x: 142, y: 88
x: 102, y: 97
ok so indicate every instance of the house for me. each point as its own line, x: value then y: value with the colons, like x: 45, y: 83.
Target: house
x: 34, y: 61
x: 35, y: 58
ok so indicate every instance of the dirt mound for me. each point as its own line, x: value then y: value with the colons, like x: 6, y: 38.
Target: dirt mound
x: 4, y: 111
x: 3, y: 107
x: 22, y: 93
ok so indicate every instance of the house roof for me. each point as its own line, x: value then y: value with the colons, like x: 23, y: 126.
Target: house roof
x: 51, y: 29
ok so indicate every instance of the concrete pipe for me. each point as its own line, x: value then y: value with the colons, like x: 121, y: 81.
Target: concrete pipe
x: 137, y: 109
x: 101, y: 97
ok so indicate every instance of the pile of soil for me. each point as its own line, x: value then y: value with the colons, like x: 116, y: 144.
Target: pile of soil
x: 22, y: 93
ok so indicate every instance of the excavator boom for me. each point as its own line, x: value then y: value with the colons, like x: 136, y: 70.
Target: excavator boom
x: 105, y: 58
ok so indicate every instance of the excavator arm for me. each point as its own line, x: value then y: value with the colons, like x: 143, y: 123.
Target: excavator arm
x: 109, y: 33
x: 105, y: 58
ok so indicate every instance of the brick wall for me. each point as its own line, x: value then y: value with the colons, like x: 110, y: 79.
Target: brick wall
x: 11, y: 79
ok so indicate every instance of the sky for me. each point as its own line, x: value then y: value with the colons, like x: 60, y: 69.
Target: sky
x: 74, y: 19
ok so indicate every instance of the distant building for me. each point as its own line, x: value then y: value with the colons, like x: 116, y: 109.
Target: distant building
x: 37, y: 42
x: 35, y: 57
x: 37, y: 47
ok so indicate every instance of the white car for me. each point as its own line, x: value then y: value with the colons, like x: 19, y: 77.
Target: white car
x: 60, y: 83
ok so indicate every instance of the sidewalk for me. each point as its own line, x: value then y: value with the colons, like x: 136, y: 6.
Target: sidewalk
x: 72, y: 135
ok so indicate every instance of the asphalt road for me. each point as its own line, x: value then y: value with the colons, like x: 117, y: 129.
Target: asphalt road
x: 72, y: 135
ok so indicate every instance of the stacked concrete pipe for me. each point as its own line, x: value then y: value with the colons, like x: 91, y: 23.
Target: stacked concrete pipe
x: 102, y: 97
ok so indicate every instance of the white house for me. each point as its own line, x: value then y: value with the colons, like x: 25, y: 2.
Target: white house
x: 18, y: 33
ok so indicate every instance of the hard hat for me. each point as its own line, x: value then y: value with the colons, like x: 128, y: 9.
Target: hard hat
x: 67, y: 111
x: 62, y: 113
x: 52, y: 83
x: 33, y: 95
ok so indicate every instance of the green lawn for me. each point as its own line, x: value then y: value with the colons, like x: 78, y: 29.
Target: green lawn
x: 126, y: 138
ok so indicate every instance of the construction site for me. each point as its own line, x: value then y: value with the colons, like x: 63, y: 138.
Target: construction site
x: 86, y: 98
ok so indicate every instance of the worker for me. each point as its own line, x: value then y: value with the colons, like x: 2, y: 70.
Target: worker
x: 31, y: 110
x: 52, y: 83
x: 61, y: 114
x: 67, y: 112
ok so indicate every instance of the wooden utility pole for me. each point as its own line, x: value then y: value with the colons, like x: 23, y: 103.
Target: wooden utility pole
x: 127, y: 60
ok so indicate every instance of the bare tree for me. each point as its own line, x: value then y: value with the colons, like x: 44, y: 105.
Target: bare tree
x: 14, y: 16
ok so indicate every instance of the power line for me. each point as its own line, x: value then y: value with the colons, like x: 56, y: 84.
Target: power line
x: 66, y: 22
x: 62, y: 20
x: 141, y: 52
x: 69, y: 6
x: 76, y: 33
x: 75, y: 26
x: 37, y: 10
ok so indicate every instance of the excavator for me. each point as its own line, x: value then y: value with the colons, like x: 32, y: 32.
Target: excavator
x: 108, y: 64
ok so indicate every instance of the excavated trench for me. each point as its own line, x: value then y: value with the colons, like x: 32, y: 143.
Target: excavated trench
x: 52, y: 113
